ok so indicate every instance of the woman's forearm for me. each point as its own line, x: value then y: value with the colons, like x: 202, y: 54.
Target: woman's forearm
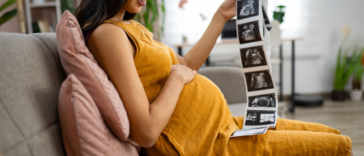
x: 161, y: 109
x: 163, y: 106
x: 199, y: 53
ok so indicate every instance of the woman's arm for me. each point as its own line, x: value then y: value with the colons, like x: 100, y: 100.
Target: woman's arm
x: 115, y: 54
x: 199, y: 53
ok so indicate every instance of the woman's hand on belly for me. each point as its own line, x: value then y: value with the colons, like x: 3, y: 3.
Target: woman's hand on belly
x: 185, y: 73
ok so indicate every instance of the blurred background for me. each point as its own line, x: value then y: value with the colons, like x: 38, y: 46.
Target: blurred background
x: 317, y: 23
x: 316, y: 51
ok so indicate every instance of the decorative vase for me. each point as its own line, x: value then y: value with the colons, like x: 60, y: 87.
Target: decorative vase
x: 338, y: 95
x: 356, y: 95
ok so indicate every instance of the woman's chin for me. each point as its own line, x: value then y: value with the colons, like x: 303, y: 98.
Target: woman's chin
x: 135, y: 10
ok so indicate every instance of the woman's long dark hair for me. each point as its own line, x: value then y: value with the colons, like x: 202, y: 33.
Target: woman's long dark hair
x: 91, y: 13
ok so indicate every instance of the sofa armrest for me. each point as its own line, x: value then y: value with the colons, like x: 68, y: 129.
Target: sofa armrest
x: 229, y: 79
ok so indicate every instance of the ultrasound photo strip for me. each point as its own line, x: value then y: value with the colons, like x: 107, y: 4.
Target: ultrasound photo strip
x: 266, y: 100
x: 253, y: 56
x: 247, y: 8
x: 249, y: 32
x: 266, y: 20
x: 260, y: 117
x: 252, y: 20
x: 259, y: 80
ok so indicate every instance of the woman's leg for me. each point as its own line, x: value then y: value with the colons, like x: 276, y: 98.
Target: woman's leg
x: 286, y: 124
x: 292, y: 143
x: 290, y: 136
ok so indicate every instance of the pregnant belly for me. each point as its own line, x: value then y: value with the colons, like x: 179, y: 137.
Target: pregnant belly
x: 201, y: 113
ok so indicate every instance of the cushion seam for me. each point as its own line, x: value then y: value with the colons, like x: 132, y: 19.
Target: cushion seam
x: 11, y: 118
x: 24, y: 140
x: 73, y: 39
x: 30, y: 137
x: 74, y: 114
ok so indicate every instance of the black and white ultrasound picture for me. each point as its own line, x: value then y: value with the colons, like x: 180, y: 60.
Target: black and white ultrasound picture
x: 247, y: 8
x: 267, y: 100
x: 258, y: 80
x: 253, y: 56
x: 260, y: 117
x: 249, y: 32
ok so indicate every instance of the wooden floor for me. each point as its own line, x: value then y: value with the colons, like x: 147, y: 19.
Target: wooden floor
x: 348, y: 117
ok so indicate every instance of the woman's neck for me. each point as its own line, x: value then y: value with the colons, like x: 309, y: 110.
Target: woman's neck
x: 119, y: 16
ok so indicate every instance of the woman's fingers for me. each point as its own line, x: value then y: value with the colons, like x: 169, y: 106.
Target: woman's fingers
x: 186, y: 73
x: 227, y: 9
x: 194, y: 71
x: 182, y: 2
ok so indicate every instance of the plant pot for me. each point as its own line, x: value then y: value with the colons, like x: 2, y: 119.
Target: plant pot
x: 338, y: 95
x: 356, y: 95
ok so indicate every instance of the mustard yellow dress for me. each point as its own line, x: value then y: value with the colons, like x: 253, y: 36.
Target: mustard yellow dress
x: 201, y: 124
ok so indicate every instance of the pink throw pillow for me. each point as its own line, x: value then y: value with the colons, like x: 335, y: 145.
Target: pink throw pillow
x: 83, y: 129
x: 77, y: 59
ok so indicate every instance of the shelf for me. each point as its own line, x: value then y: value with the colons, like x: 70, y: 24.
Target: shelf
x: 45, y: 4
x: 29, y: 7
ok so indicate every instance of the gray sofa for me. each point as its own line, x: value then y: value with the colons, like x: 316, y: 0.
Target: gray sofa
x: 30, y: 79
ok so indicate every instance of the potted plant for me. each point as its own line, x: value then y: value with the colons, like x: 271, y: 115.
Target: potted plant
x: 152, y: 17
x: 8, y: 15
x: 356, y: 94
x: 279, y: 13
x: 344, y: 69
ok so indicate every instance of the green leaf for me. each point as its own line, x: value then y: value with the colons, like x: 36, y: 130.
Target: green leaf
x: 164, y: 16
x: 281, y: 6
x: 7, y: 4
x: 359, y: 68
x: 68, y: 5
x: 348, y: 70
x: 345, y: 68
x: 338, y: 69
x: 146, y: 20
x: 7, y: 16
x: 154, y: 11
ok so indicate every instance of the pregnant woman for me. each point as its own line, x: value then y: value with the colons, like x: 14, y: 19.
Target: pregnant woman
x: 171, y: 109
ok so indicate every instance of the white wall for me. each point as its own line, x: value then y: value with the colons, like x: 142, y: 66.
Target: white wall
x: 187, y: 22
x: 319, y: 22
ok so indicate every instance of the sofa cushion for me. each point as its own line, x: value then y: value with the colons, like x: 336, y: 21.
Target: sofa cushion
x: 30, y: 80
x: 77, y: 59
x: 84, y: 131
x: 230, y: 80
